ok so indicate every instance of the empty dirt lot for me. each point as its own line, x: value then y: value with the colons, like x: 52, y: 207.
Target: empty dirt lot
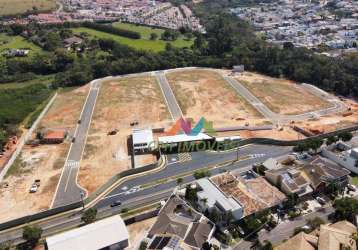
x: 120, y: 102
x: 44, y: 162
x: 280, y: 95
x: 204, y: 93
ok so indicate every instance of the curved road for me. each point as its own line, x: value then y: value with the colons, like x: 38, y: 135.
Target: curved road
x: 337, y: 106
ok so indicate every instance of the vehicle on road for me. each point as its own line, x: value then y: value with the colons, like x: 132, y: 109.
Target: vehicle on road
x: 33, y: 188
x: 79, y: 121
x: 73, y: 139
x: 116, y: 203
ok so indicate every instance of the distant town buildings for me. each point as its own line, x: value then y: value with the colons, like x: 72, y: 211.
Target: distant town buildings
x: 147, y: 12
x: 318, y: 25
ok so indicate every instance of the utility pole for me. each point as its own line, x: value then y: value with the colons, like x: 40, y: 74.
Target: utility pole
x: 82, y: 196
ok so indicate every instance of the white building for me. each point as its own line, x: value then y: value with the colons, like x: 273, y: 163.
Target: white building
x: 143, y: 140
x: 347, y: 158
x: 110, y: 233
x: 214, y: 198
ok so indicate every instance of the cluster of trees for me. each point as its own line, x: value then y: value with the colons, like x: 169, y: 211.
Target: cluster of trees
x: 170, y: 35
x: 313, y: 144
x: 346, y: 209
x: 113, y: 30
x: 16, y: 104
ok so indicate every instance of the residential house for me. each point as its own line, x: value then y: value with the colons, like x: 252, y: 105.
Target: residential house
x: 289, y: 180
x: 344, y: 155
x: 242, y: 193
x: 335, y: 236
x: 320, y: 172
x: 179, y: 225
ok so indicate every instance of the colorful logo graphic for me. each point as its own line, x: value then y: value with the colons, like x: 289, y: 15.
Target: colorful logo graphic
x: 184, y: 126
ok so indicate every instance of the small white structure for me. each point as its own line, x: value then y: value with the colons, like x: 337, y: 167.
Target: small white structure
x: 347, y: 159
x: 214, y: 198
x: 238, y: 68
x: 143, y: 140
x: 110, y: 233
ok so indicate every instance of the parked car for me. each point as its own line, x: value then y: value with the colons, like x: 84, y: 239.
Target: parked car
x: 320, y: 200
x: 116, y: 203
x: 73, y: 139
x: 351, y: 187
x: 37, y: 182
x: 33, y: 188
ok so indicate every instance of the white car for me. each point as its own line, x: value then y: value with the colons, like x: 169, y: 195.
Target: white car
x: 33, y: 188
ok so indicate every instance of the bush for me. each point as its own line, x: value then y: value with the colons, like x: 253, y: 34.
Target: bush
x: 89, y: 215
x: 32, y: 235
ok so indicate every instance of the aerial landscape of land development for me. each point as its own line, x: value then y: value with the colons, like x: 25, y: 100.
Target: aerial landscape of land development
x: 178, y: 125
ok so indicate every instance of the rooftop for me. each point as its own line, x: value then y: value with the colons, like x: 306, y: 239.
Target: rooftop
x: 183, y: 138
x: 94, y: 236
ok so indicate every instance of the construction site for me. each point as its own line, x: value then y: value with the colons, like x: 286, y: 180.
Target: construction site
x: 242, y: 104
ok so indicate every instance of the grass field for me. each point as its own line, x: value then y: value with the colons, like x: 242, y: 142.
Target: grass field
x: 144, y: 31
x: 46, y: 80
x: 144, y: 43
x: 17, y: 42
x: 11, y: 7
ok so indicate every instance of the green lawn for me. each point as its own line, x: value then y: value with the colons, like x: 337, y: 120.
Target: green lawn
x: 143, y: 43
x: 355, y: 180
x: 17, y: 42
x: 144, y: 31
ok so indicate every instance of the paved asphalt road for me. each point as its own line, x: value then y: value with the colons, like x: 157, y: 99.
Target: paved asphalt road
x: 133, y: 197
x: 131, y: 188
x: 337, y: 106
x: 169, y: 96
x: 68, y: 191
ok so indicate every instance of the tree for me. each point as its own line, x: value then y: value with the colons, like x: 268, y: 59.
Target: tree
x: 214, y: 215
x: 89, y: 215
x: 206, y: 246
x: 179, y: 181
x: 153, y: 36
x: 32, y: 235
x: 143, y: 245
x: 191, y: 194
x: 267, y: 245
x: 292, y: 200
x: 345, y: 136
x: 331, y: 139
x: 346, y: 209
x: 6, y: 245
x: 315, y: 223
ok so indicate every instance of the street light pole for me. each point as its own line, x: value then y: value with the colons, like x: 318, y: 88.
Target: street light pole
x: 82, y: 196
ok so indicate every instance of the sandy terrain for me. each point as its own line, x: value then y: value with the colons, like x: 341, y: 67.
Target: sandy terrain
x: 120, y: 103
x: 44, y: 162
x: 137, y: 231
x: 333, y: 122
x: 280, y: 95
x: 204, y: 93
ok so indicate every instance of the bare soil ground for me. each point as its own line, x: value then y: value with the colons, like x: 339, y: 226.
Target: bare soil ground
x: 44, y: 162
x: 138, y: 231
x: 119, y: 103
x: 204, y: 93
x: 334, y: 122
x: 280, y: 95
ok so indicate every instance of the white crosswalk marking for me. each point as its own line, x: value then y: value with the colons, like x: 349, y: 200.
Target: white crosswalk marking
x: 184, y: 157
x: 72, y: 163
